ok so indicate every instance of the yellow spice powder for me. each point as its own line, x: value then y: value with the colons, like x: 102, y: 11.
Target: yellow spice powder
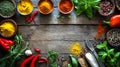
x: 7, y: 29
x: 75, y: 48
x: 25, y: 7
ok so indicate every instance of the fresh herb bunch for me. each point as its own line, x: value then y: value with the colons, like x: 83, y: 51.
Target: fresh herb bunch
x: 7, y: 8
x: 109, y: 55
x: 86, y: 6
x: 52, y: 57
x: 15, y: 52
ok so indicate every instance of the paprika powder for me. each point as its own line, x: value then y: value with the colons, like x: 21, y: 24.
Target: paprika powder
x: 65, y: 6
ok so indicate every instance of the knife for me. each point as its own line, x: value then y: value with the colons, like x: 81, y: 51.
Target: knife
x: 91, y: 48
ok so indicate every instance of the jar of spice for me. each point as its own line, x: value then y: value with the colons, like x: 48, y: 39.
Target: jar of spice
x: 65, y: 6
x: 107, y: 7
x: 45, y: 6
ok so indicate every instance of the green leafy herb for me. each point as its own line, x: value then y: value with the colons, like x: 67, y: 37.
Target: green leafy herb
x: 109, y: 55
x: 86, y: 6
x: 52, y: 57
x: 15, y: 53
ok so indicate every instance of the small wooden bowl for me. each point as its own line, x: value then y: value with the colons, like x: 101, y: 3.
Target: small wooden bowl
x: 116, y: 3
x: 28, y: 12
x: 63, y: 11
x: 13, y: 12
x: 13, y: 22
x: 40, y: 2
x: 113, y: 37
x: 112, y: 10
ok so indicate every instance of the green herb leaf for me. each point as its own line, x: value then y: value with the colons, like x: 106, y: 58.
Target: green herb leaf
x: 103, y: 54
x: 117, y: 55
x: 111, y: 51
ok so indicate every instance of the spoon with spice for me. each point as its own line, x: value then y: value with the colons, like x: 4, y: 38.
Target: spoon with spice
x: 65, y: 6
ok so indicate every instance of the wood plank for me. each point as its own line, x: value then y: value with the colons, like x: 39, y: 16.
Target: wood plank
x: 56, y: 37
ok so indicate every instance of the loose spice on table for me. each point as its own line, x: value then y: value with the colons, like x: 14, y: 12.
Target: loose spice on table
x: 25, y: 7
x: 7, y: 8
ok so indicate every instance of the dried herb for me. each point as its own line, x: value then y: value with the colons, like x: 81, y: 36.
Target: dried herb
x: 15, y: 53
x: 86, y: 6
x: 6, y: 8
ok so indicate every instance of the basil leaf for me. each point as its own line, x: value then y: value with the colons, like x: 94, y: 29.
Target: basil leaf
x: 111, y: 51
x: 117, y: 55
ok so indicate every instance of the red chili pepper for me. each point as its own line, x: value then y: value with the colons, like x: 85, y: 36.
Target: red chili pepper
x: 37, y: 50
x: 31, y: 17
x: 10, y: 42
x: 43, y: 60
x: 5, y: 46
x: 24, y: 63
x: 114, y: 21
x: 34, y: 60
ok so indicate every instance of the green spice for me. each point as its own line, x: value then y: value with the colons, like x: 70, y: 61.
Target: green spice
x: 6, y: 8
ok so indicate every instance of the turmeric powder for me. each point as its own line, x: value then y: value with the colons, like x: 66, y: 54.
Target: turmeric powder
x: 7, y: 29
x: 45, y: 7
x: 25, y: 7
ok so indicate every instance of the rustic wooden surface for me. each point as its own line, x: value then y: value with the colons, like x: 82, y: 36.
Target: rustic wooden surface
x: 51, y: 33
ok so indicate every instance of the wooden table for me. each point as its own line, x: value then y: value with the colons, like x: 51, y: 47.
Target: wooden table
x: 51, y: 33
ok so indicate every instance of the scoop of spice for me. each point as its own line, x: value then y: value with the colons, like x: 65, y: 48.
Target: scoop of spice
x: 65, y: 5
x: 7, y: 8
x: 45, y: 7
x: 7, y: 29
x: 25, y: 7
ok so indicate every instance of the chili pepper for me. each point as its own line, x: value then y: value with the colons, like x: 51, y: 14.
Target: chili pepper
x: 43, y: 59
x: 114, y: 21
x: 24, y: 63
x: 10, y: 42
x: 34, y: 60
x: 4, y: 46
x: 31, y: 17
x: 37, y: 50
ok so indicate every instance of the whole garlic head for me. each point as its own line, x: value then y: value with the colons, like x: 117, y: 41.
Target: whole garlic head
x: 28, y: 52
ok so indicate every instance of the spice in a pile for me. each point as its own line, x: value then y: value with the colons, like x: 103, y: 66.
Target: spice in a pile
x: 25, y: 7
x: 65, y: 5
x: 45, y: 7
x: 7, y: 29
x: 105, y: 7
x: 7, y: 8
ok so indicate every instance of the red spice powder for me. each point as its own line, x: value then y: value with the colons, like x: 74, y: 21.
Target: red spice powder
x: 65, y: 5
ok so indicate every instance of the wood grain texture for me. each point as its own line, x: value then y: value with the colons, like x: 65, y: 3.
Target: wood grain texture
x: 56, y: 37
